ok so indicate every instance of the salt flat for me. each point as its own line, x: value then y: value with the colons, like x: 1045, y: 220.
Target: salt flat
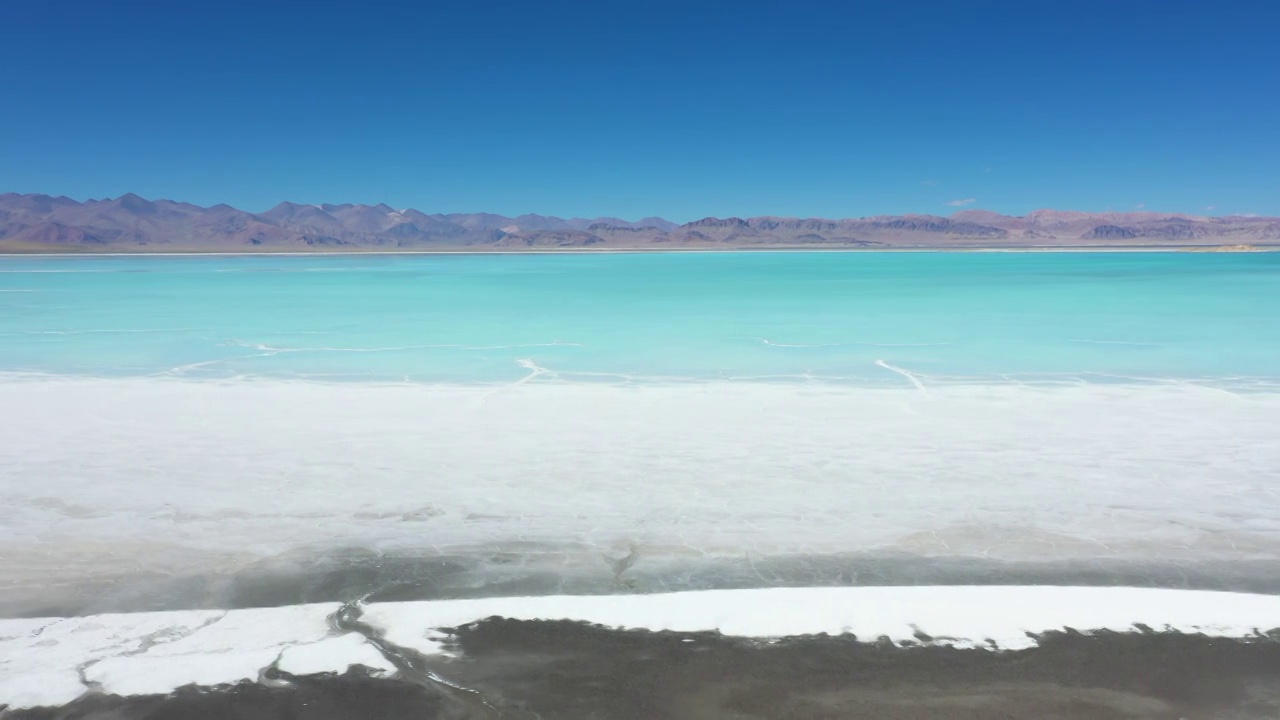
x: 223, y: 474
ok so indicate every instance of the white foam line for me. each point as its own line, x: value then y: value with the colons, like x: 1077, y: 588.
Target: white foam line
x: 631, y: 376
x: 1114, y: 342
x: 534, y: 370
x: 1234, y: 385
x: 767, y: 341
x: 109, y: 331
x: 394, y: 348
x: 180, y: 369
x: 1158, y: 380
x: 905, y: 373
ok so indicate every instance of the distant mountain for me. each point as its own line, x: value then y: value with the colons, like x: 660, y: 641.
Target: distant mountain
x: 32, y: 223
x: 1146, y: 227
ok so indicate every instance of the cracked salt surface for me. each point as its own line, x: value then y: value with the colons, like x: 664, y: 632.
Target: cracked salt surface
x: 156, y: 652
x: 47, y: 662
x: 331, y: 653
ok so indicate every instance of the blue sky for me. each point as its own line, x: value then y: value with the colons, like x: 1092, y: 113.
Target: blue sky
x: 655, y: 108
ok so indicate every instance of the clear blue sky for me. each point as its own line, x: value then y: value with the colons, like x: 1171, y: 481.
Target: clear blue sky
x: 679, y: 109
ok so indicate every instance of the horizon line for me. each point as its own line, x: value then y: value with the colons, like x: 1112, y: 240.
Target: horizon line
x: 513, y: 216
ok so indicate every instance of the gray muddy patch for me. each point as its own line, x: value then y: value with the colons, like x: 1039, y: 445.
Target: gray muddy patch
x: 305, y: 576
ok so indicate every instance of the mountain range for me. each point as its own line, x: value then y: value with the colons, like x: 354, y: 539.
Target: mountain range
x: 129, y: 223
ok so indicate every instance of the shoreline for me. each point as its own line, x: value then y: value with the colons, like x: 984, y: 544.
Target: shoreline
x: 1229, y: 249
x: 484, y: 572
x: 954, y: 385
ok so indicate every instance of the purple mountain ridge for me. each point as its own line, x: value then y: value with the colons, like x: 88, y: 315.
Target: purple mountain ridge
x: 129, y: 223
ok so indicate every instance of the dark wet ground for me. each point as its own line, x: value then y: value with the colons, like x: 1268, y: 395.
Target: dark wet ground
x: 562, y: 670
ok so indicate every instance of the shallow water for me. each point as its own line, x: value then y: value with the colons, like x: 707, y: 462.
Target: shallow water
x: 868, y: 318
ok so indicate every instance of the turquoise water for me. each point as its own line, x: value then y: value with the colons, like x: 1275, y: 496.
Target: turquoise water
x: 891, y: 318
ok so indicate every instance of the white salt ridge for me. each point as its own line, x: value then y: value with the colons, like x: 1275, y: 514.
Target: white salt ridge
x: 997, y: 617
x: 42, y: 660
